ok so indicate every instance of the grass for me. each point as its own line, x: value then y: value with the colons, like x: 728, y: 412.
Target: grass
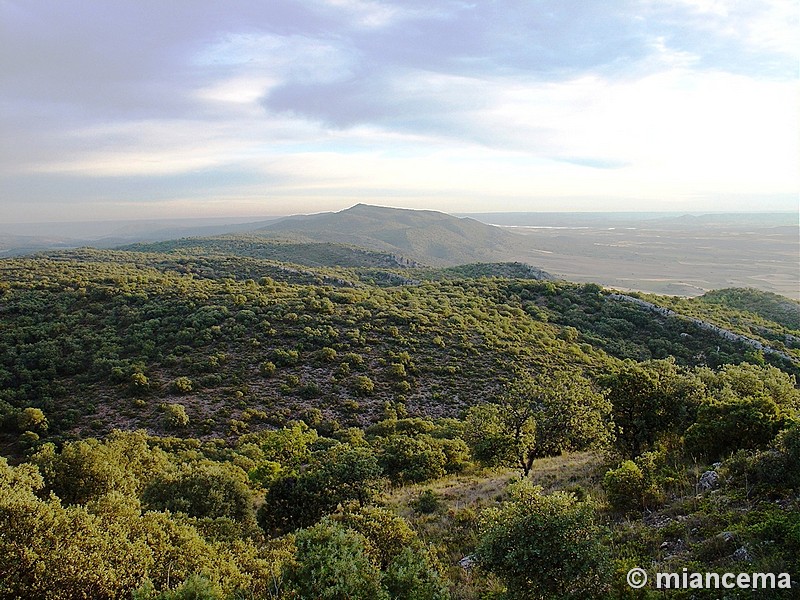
x: 454, y: 525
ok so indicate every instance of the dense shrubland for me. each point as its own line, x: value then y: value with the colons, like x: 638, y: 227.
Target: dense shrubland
x: 174, y: 431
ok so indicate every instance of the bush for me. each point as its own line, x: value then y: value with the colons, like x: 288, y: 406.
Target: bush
x: 267, y: 368
x: 203, y: 489
x: 175, y: 416
x: 773, y: 469
x: 286, y: 358
x: 331, y: 562
x: 731, y: 424
x: 427, y: 502
x: 543, y: 546
x: 327, y: 354
x: 363, y: 385
x: 139, y: 382
x: 182, y: 385
x: 628, y: 487
x: 412, y: 459
x: 32, y: 419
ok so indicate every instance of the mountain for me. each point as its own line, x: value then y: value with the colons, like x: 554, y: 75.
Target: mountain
x: 425, y: 236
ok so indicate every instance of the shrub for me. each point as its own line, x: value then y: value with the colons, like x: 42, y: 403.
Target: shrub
x: 543, y: 546
x: 724, y: 426
x: 327, y: 354
x: 32, y: 419
x: 331, y: 562
x: 267, y: 368
x: 627, y: 487
x: 182, y: 385
x: 412, y: 459
x: 286, y: 357
x: 363, y: 385
x: 175, y: 416
x: 427, y: 502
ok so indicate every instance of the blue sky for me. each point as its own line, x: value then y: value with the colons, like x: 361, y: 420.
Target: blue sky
x: 147, y: 109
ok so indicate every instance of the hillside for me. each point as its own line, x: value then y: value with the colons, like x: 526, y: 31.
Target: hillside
x: 766, y: 305
x: 312, y: 254
x: 231, y: 425
x: 255, y: 336
x: 426, y: 236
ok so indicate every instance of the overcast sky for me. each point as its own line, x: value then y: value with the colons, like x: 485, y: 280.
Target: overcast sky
x: 147, y: 108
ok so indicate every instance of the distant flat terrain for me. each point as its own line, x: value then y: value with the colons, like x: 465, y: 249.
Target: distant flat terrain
x: 684, y: 255
x: 663, y: 253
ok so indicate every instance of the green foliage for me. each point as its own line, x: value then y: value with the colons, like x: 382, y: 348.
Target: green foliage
x: 363, y: 385
x: 724, y: 426
x: 139, y: 382
x: 411, y: 459
x: 628, y: 487
x: 81, y: 328
x: 267, y: 368
x: 651, y: 400
x: 535, y: 417
x: 412, y: 576
x: 32, y: 419
x: 289, y: 446
x: 88, y: 469
x: 387, y: 534
x: 182, y: 385
x: 427, y: 502
x: 332, y: 563
x: 774, y: 469
x: 175, y: 416
x: 568, y: 413
x: 764, y: 304
x: 203, y: 489
x: 489, y: 439
x: 196, y: 587
x: 343, y: 473
x: 284, y: 358
x: 543, y: 546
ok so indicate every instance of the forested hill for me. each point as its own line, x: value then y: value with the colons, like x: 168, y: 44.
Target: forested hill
x: 197, y: 419
x: 427, y: 236
x: 103, y: 339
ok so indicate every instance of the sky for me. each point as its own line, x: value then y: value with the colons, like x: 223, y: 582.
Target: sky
x: 144, y: 109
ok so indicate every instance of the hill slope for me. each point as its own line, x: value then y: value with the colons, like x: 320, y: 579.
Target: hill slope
x: 426, y: 236
x: 99, y: 339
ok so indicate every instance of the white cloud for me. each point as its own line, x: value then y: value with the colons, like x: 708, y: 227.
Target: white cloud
x: 689, y: 102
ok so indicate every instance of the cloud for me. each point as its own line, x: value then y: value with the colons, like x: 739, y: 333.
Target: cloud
x: 325, y: 98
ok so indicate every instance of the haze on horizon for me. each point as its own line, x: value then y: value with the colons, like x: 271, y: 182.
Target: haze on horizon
x: 143, y: 110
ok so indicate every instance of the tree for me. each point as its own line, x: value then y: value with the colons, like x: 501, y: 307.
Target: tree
x: 493, y: 440
x: 569, y: 414
x: 538, y: 416
x: 650, y: 400
x: 175, y: 416
x: 343, y: 474
x: 726, y: 425
x: 87, y: 469
x: 32, y: 419
x: 543, y: 546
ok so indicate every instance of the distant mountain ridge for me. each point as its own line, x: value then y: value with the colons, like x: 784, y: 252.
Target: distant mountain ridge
x: 426, y: 236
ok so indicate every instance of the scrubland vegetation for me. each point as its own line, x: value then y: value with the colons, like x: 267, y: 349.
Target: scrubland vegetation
x: 225, y: 425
